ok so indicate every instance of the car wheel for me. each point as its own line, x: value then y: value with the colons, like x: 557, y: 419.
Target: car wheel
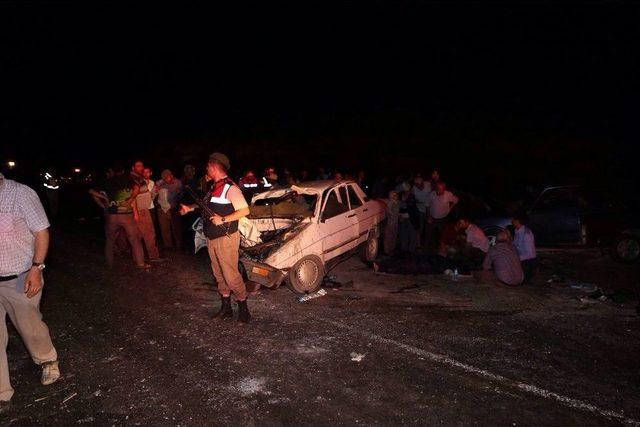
x: 369, y: 249
x: 627, y: 248
x: 306, y: 275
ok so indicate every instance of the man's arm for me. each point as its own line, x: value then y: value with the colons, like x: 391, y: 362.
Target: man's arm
x: 33, y: 282
x: 453, y: 200
x: 100, y: 199
x: 239, y: 203
x: 135, y: 190
x: 486, y: 264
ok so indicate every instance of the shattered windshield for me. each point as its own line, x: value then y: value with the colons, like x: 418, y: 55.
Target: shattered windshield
x: 291, y: 205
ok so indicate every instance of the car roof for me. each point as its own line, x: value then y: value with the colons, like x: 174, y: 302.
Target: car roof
x: 320, y: 186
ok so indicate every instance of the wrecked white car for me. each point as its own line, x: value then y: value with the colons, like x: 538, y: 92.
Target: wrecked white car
x: 293, y: 232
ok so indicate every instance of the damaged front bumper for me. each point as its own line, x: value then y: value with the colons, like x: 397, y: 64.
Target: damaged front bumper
x: 263, y: 274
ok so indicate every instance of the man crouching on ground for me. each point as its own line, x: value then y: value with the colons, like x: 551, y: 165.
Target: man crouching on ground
x: 24, y: 241
x: 222, y: 207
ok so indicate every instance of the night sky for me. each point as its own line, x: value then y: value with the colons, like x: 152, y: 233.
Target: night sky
x: 466, y: 86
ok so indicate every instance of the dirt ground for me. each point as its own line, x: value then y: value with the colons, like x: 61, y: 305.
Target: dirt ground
x: 139, y: 348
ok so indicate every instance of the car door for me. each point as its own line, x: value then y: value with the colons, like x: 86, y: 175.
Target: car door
x: 554, y: 219
x: 336, y: 225
x: 364, y: 218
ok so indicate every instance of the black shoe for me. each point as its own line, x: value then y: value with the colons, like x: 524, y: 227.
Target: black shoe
x: 225, y: 311
x: 243, y: 312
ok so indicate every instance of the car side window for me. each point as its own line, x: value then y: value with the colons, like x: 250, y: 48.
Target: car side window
x: 343, y: 196
x: 334, y: 206
x: 353, y: 198
x: 555, y: 200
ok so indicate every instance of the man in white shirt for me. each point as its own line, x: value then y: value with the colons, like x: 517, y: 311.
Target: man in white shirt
x: 24, y: 242
x: 471, y: 253
x: 474, y: 234
x: 525, y: 244
x: 144, y: 200
x: 439, y: 205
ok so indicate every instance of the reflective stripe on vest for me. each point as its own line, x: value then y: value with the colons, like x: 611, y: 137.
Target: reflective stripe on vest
x: 222, y: 199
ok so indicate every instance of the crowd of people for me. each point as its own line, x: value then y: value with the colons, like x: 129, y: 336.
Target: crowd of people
x: 425, y: 233
x: 424, y: 230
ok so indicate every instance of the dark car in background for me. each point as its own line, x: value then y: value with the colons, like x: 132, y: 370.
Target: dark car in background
x: 570, y: 216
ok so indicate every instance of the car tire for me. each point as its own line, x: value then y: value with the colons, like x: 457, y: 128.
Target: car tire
x: 306, y: 275
x: 626, y: 248
x: 369, y: 249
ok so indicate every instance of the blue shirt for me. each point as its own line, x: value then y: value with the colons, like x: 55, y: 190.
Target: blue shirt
x: 525, y: 243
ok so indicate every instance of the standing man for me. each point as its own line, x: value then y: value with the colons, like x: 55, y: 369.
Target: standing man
x: 421, y: 191
x: 169, y: 193
x: 144, y: 203
x: 525, y: 243
x: 227, y: 204
x: 24, y: 241
x: 439, y: 205
x: 118, y: 197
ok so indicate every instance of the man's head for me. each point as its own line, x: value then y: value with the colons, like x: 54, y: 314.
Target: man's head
x: 147, y: 173
x: 517, y: 221
x: 218, y: 166
x: 189, y: 171
x: 249, y: 177
x: 138, y: 167
x: 503, y: 236
x: 462, y: 224
x: 441, y: 187
x: 271, y: 175
x: 435, y: 175
x: 418, y: 181
x: 167, y: 176
x: 118, y: 169
x: 393, y: 196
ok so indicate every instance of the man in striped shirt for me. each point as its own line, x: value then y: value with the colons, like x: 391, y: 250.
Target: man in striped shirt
x: 502, y: 263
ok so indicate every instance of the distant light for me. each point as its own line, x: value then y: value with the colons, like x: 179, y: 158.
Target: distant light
x: 77, y: 170
x: 11, y: 164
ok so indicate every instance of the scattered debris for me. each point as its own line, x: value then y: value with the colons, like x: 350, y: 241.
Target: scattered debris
x: 406, y: 288
x: 588, y: 287
x: 307, y: 297
x: 555, y: 279
x: 68, y: 398
x: 41, y: 399
x: 333, y: 283
x: 357, y: 357
x: 86, y: 420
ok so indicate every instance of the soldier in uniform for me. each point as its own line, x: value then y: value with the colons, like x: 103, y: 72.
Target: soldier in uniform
x: 221, y: 208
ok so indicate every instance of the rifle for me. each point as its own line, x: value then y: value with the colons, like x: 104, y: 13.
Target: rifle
x: 205, y: 209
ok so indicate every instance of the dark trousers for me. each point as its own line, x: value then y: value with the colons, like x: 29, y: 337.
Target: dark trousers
x: 529, y: 268
x: 433, y: 232
x: 115, y: 223
x: 170, y: 227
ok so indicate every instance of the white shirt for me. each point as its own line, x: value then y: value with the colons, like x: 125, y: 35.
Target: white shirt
x: 477, y: 238
x: 440, y: 206
x: 21, y: 215
x: 145, y: 199
x: 525, y: 243
x: 422, y: 196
